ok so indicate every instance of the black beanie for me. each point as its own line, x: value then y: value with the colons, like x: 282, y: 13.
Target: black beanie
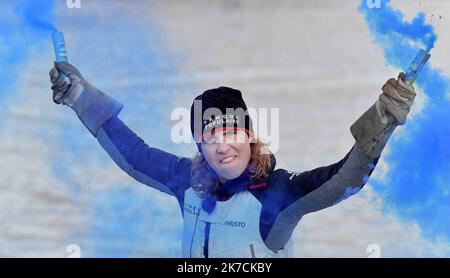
x: 226, y: 108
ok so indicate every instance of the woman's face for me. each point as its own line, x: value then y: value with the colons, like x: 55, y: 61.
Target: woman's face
x: 227, y: 152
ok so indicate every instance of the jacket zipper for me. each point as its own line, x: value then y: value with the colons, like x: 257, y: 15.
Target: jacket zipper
x: 206, y: 244
x: 193, y: 234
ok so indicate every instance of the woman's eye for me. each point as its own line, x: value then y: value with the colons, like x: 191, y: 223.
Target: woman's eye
x: 209, y: 140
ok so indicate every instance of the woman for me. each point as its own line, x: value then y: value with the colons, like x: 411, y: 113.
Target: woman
x: 233, y: 200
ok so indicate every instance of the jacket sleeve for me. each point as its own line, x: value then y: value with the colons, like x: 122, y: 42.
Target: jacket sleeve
x: 151, y: 166
x: 296, y: 194
x: 326, y: 186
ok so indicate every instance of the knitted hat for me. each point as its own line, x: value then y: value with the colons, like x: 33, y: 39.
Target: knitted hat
x: 216, y: 109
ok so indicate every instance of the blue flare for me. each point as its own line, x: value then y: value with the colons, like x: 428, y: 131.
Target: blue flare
x: 417, y: 65
x: 60, y: 47
x: 416, y: 188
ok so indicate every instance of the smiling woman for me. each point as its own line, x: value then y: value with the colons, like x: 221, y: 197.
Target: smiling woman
x: 227, y: 157
x: 233, y: 201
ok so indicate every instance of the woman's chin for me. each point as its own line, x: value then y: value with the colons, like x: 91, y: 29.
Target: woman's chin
x: 231, y: 175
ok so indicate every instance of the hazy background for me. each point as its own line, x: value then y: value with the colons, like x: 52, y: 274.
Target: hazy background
x: 314, y: 60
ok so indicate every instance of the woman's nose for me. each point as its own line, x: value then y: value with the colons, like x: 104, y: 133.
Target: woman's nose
x: 222, y: 147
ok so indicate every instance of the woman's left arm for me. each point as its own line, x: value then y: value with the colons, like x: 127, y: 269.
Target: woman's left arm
x: 296, y: 194
x: 326, y: 186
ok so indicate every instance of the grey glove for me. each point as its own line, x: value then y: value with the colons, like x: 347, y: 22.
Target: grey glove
x: 92, y: 106
x: 66, y: 92
x: 397, y: 98
x: 373, y: 129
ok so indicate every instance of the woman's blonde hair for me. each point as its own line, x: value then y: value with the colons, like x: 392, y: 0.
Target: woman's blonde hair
x: 205, y: 181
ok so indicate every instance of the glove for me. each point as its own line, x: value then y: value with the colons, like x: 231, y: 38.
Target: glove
x: 373, y: 129
x: 63, y: 91
x: 397, y: 98
x: 92, y: 106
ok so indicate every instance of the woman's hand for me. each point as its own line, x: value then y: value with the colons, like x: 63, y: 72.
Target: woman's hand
x: 397, y: 98
x: 63, y: 91
x: 92, y: 106
x: 373, y: 129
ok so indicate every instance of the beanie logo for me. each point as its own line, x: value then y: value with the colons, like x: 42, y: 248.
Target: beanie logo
x: 227, y: 119
x: 262, y: 123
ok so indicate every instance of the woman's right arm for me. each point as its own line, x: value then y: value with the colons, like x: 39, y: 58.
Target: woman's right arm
x: 98, y: 112
x: 151, y: 166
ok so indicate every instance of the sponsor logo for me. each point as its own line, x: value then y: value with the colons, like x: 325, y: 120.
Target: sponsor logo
x: 191, y: 209
x: 236, y: 224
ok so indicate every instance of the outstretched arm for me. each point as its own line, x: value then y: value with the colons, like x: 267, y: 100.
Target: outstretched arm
x: 151, y: 166
x: 320, y: 188
x: 98, y: 112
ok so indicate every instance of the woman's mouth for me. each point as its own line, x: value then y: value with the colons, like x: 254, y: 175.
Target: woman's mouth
x: 228, y: 159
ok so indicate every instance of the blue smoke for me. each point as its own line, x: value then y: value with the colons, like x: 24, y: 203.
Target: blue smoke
x: 131, y: 57
x: 22, y: 26
x: 125, y: 226
x: 121, y: 220
x: 37, y: 14
x: 416, y: 187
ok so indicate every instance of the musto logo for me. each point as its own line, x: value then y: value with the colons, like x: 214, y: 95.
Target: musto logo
x: 236, y: 224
